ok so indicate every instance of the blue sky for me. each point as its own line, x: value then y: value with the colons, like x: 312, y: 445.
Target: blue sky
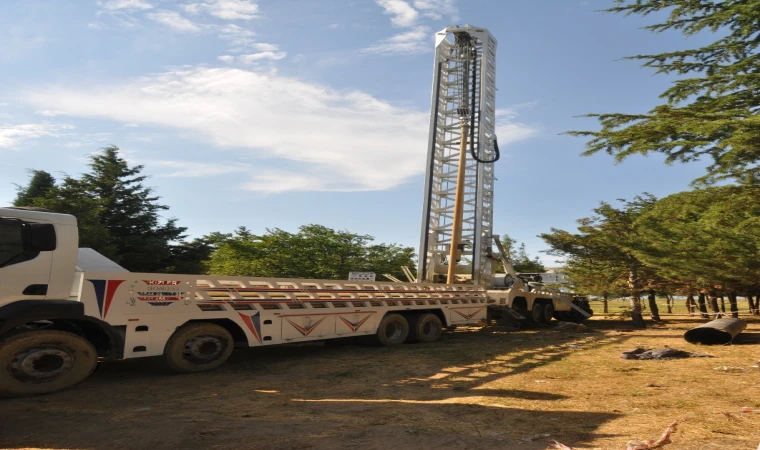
x: 280, y: 113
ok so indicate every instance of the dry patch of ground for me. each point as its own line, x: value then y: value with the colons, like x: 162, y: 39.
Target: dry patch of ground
x: 476, y: 389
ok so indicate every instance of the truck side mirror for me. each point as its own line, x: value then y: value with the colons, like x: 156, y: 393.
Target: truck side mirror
x: 41, y: 237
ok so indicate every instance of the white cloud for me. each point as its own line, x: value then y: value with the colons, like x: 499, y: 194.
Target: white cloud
x: 262, y: 47
x: 188, y: 169
x: 403, y: 15
x: 225, y: 9
x: 239, y: 37
x: 437, y: 9
x: 13, y: 135
x: 348, y: 140
x: 114, y: 5
x: 254, y: 57
x: 174, y: 21
x: 508, y: 130
x: 409, y: 42
x: 49, y: 113
x: 330, y: 140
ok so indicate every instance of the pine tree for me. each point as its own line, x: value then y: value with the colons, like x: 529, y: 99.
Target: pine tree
x: 40, y: 185
x: 117, y: 216
x: 139, y: 241
x: 603, y: 251
x: 710, y: 111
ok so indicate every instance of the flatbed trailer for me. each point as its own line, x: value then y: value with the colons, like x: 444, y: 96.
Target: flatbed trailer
x: 146, y: 309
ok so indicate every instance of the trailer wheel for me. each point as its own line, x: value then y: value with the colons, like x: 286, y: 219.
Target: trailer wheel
x: 537, y: 313
x: 393, y: 330
x: 43, y: 362
x: 198, y: 347
x: 424, y: 328
x: 548, y: 312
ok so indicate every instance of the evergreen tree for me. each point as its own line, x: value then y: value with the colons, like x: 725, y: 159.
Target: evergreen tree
x: 603, y: 251
x: 707, y: 239
x: 518, y: 256
x: 117, y: 216
x: 710, y: 111
x: 40, y: 185
x: 130, y: 212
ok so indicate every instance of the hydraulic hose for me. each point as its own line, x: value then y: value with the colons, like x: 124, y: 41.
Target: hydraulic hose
x: 473, y: 149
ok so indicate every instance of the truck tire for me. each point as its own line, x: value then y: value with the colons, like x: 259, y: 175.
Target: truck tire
x: 393, y: 330
x: 44, y: 361
x: 537, y: 313
x: 548, y: 312
x: 424, y: 328
x: 198, y: 347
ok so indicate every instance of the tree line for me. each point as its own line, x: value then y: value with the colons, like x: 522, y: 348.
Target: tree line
x: 120, y: 217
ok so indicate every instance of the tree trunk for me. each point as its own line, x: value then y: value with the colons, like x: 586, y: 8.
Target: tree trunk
x: 654, y: 311
x: 633, y: 285
x: 690, y: 304
x: 734, y: 306
x: 714, y: 306
x: 754, y: 304
x: 722, y: 304
x: 605, y: 304
x: 703, y: 305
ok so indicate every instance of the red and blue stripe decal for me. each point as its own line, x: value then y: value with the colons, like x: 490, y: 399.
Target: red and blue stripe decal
x: 104, y: 291
x: 253, y: 323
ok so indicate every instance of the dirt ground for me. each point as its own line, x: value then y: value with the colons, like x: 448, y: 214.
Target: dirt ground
x: 475, y: 389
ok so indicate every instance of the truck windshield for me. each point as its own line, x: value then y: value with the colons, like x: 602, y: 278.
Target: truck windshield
x: 11, y: 240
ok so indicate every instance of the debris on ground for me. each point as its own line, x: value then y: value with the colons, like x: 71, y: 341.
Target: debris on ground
x: 571, y: 327
x: 662, y: 354
x: 730, y: 369
x: 633, y: 444
x: 536, y: 437
x: 741, y: 411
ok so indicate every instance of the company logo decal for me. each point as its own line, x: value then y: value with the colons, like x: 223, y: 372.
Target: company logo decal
x: 160, y: 292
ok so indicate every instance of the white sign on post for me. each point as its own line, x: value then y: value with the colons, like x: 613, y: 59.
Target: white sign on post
x: 361, y: 276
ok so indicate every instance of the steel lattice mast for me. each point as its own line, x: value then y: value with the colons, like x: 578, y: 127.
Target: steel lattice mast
x: 463, y: 101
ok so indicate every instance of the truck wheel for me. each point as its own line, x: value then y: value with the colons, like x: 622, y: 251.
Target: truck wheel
x: 43, y: 362
x: 548, y: 313
x: 424, y: 328
x: 198, y: 347
x: 537, y: 313
x: 393, y: 330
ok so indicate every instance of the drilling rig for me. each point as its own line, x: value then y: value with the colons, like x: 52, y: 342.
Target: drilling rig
x: 456, y: 238
x: 457, y: 214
